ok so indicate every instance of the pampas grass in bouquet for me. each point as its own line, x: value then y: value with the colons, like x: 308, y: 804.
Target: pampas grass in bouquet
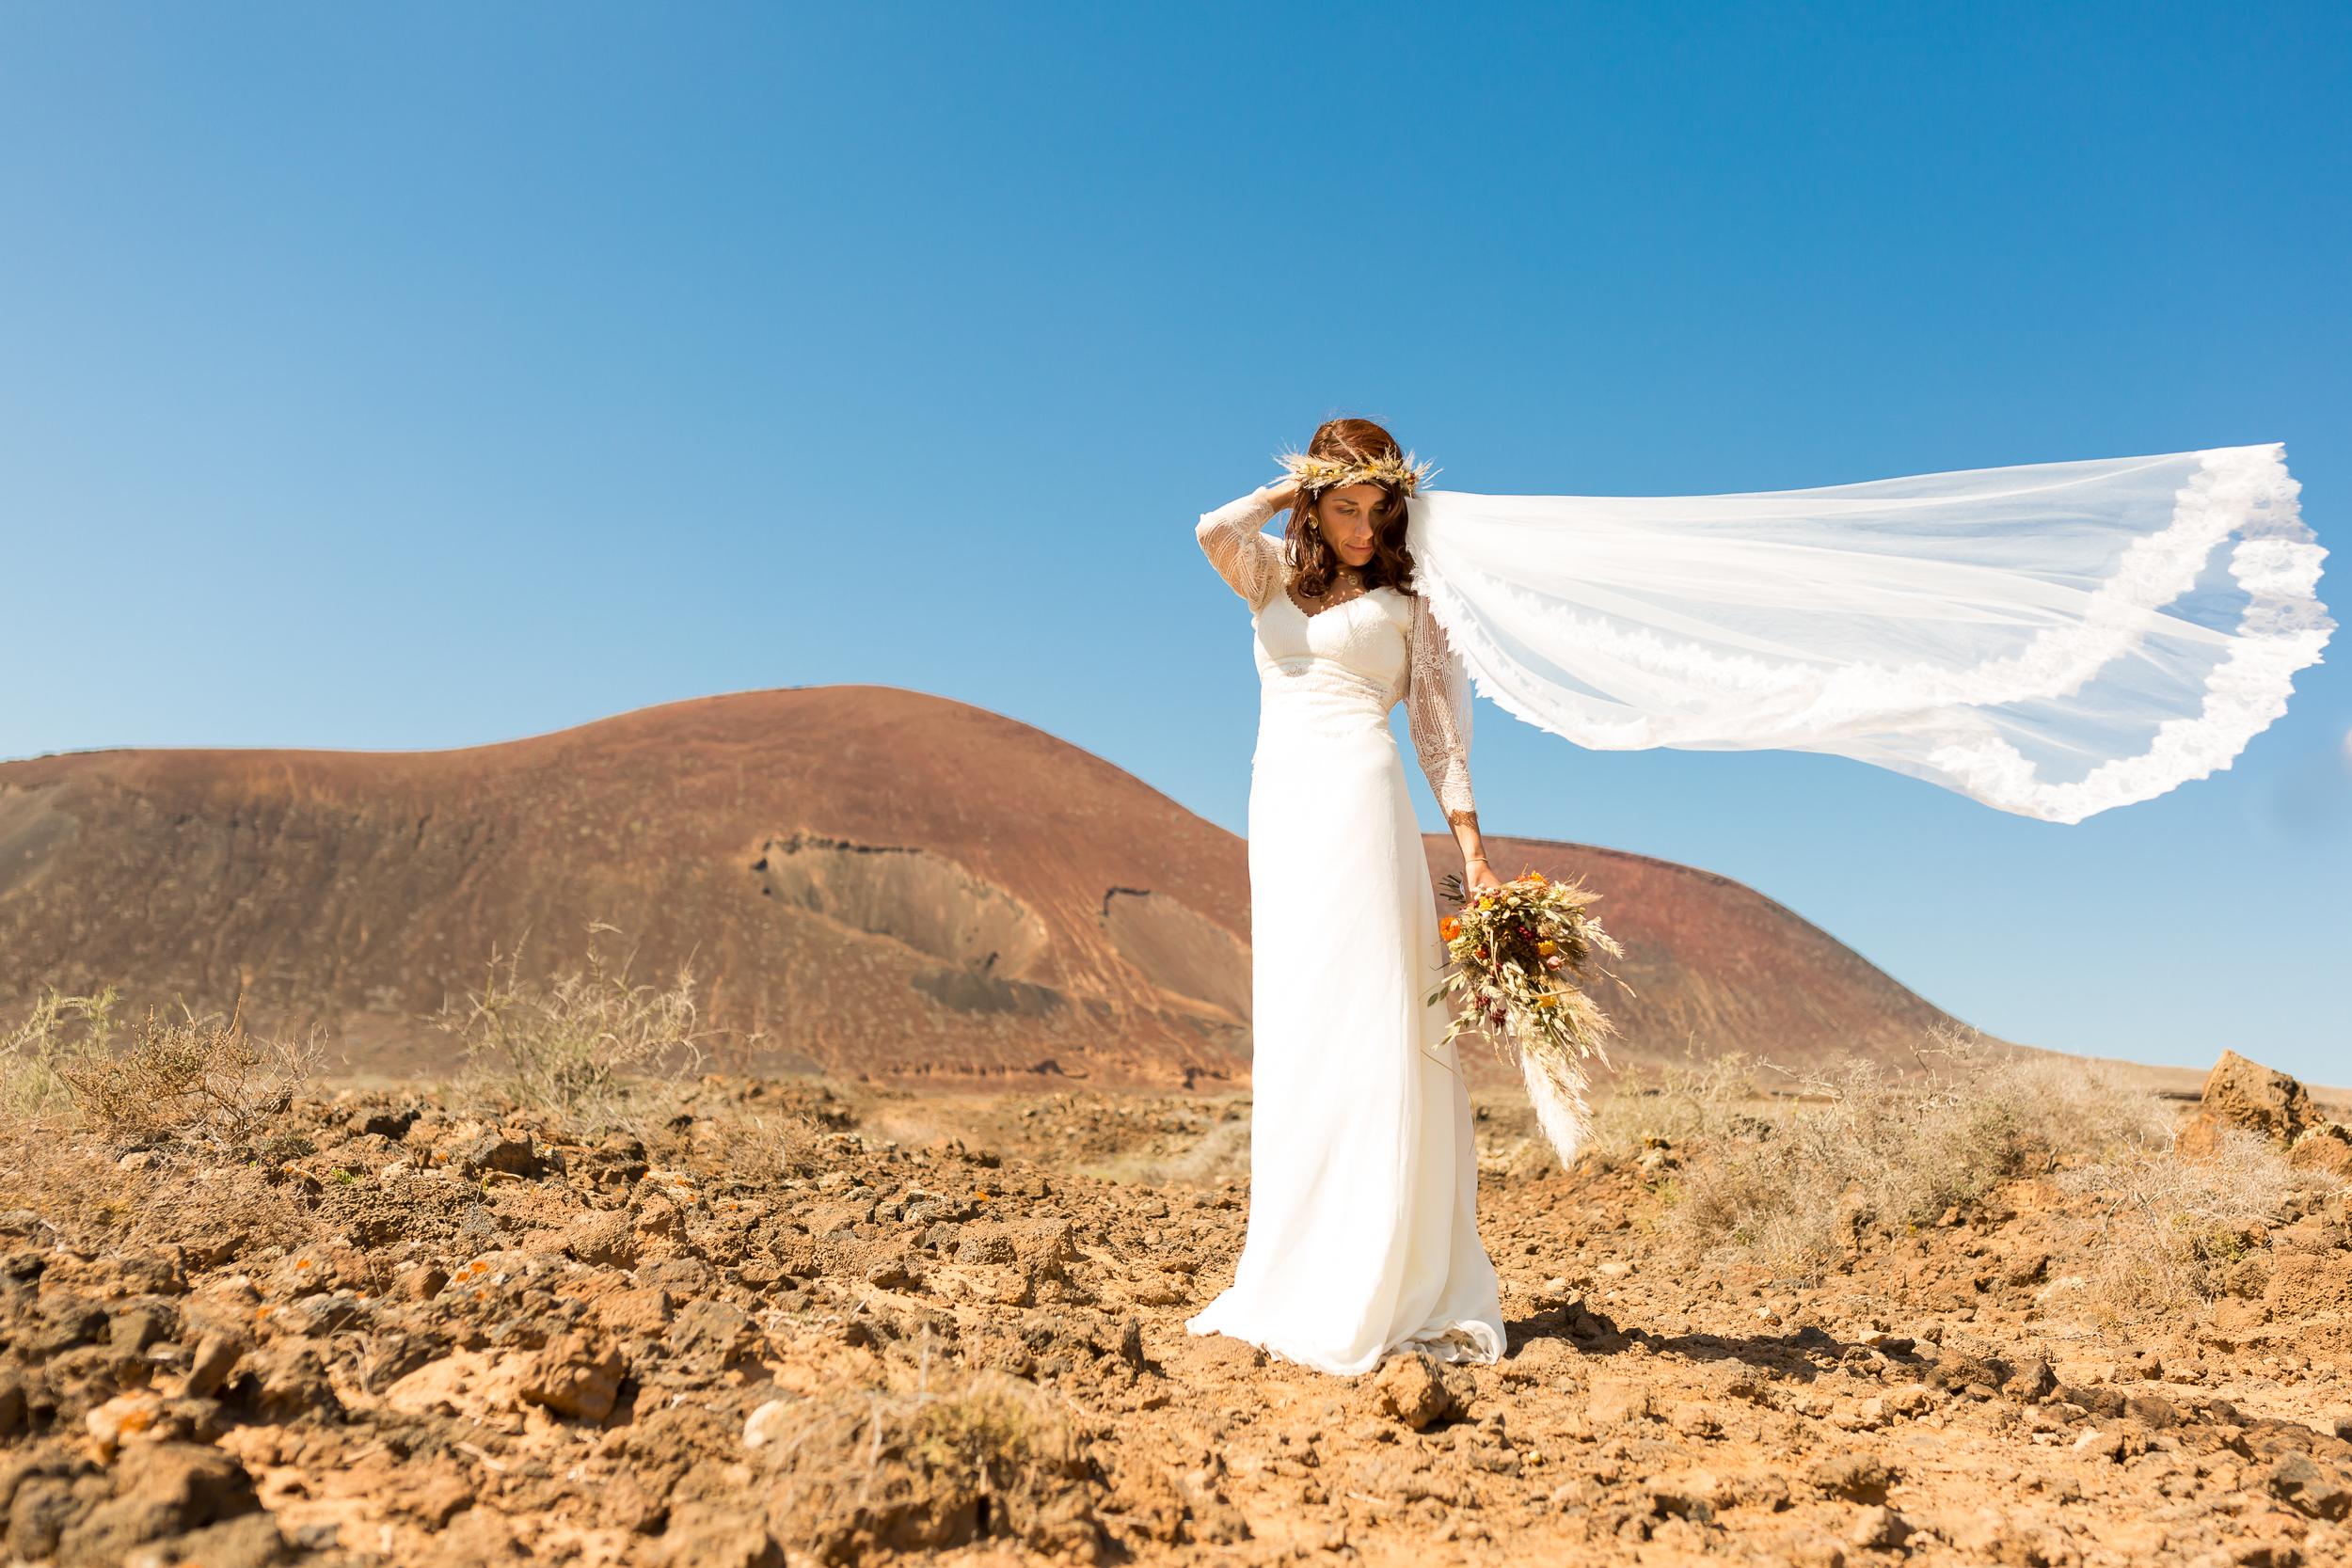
x: 1515, y: 956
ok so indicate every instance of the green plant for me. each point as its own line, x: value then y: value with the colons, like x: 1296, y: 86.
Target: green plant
x: 2223, y: 1243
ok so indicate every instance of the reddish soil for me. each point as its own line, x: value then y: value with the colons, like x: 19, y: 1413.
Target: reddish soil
x: 422, y: 1339
x: 874, y: 883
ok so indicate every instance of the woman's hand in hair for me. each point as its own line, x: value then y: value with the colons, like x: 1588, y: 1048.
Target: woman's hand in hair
x: 1282, y: 495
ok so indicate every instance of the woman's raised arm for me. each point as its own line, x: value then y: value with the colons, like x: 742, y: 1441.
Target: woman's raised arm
x: 1231, y: 538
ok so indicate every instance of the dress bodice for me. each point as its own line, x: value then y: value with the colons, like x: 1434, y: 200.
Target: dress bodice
x: 1367, y: 636
x: 1342, y: 669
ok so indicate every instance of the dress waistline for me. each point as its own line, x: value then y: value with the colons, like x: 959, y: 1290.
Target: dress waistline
x: 1321, y: 696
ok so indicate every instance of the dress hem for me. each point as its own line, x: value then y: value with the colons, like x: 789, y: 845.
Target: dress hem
x: 1428, y: 1338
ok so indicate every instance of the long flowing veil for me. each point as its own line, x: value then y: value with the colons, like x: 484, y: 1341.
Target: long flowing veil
x: 2052, y: 640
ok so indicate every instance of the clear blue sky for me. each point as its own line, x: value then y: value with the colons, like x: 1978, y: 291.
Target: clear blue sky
x: 427, y: 375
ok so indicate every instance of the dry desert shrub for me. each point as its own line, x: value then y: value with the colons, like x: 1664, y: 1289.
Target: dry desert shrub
x: 74, y: 1091
x: 868, y: 1474
x: 1701, y: 1100
x: 86, y: 1201
x: 82, y: 1197
x: 200, y: 1081
x: 775, y: 1138
x: 1796, y: 1185
x: 60, y: 1033
x: 1220, y: 1158
x: 589, y: 1043
x: 2174, y: 1227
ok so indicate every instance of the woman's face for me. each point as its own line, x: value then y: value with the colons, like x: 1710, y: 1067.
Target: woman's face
x: 1345, y: 517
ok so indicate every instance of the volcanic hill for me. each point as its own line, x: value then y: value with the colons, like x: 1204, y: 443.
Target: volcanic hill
x: 870, y: 882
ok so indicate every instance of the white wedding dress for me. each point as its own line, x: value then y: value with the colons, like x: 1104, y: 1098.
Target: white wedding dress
x: 2056, y: 640
x: 1363, y: 1195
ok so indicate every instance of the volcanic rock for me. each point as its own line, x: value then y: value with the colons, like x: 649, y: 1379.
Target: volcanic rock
x: 1409, y: 1389
x: 2306, y: 1487
x: 2246, y: 1094
x: 2326, y: 1146
x: 1862, y: 1476
x: 574, y: 1375
x: 1615, y: 1402
x: 821, y: 1410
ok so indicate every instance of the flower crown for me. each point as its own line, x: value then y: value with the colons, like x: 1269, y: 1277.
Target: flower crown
x: 1317, y: 474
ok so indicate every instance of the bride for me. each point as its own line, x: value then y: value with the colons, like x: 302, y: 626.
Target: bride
x: 1364, y: 1196
x: 2055, y: 641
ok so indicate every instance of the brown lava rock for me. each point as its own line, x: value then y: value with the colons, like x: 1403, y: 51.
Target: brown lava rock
x: 1410, y: 1390
x: 780, y: 1321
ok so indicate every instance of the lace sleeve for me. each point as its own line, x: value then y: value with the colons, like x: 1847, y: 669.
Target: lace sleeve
x: 1438, y: 708
x: 1250, y: 564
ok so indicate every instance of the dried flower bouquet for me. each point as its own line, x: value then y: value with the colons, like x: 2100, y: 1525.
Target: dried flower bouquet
x: 1516, y: 954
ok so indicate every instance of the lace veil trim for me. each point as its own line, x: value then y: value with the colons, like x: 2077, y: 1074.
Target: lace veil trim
x: 2052, y: 641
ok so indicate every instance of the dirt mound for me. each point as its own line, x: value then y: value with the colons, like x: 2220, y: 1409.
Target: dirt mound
x: 758, y: 1331
x: 872, y: 883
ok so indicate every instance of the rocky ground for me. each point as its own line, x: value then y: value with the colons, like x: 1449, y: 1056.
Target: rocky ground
x: 798, y: 1324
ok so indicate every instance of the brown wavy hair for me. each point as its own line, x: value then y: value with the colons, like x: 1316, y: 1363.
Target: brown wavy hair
x: 1311, y: 561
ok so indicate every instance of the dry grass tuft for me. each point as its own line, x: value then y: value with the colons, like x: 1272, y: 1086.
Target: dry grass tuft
x: 1217, y: 1156
x: 200, y: 1080
x: 1797, y: 1185
x: 76, y: 1089
x: 897, y: 1472
x: 775, y: 1139
x: 62, y: 1032
x: 2176, y: 1228
x: 87, y: 1202
x: 1219, y: 1159
x: 586, y: 1043
x: 1701, y: 1100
